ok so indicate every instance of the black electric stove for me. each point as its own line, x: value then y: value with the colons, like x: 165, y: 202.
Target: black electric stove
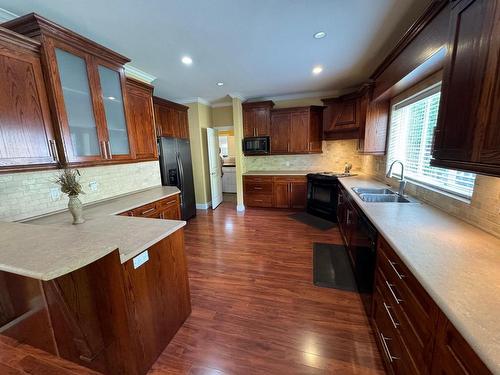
x: 322, y: 194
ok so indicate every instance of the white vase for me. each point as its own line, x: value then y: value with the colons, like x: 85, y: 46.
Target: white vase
x: 76, y: 208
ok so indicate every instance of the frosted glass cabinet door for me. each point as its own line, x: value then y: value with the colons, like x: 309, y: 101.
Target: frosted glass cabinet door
x: 114, y: 109
x: 78, y: 104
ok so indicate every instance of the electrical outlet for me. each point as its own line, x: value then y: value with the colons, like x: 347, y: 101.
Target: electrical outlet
x: 55, y: 194
x: 93, y: 185
x: 287, y: 163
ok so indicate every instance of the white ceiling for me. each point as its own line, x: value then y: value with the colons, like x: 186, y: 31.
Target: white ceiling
x: 257, y: 48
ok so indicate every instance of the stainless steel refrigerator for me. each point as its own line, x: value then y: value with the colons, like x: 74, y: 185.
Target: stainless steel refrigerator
x: 177, y: 170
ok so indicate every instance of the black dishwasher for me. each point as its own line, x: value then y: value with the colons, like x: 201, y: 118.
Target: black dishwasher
x: 360, y: 238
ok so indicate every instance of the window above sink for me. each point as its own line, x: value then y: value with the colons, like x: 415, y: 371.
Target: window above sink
x: 413, y: 120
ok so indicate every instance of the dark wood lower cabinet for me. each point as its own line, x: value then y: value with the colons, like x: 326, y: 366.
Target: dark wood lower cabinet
x: 167, y: 208
x: 275, y: 191
x: 110, y: 317
x: 413, y: 335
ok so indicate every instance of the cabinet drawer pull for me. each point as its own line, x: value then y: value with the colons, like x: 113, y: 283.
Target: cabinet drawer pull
x: 394, y: 323
x: 147, y: 211
x: 393, y: 265
x: 386, y: 348
x: 257, y: 188
x: 390, y: 286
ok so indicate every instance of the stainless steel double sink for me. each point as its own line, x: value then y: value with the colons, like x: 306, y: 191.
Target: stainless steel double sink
x: 379, y: 195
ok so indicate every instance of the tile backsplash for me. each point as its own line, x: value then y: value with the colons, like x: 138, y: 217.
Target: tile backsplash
x: 483, y: 210
x: 28, y: 194
x: 335, y: 155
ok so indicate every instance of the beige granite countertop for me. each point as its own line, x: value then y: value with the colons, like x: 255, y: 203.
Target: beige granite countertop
x: 457, y: 263
x: 48, y: 247
x: 278, y: 173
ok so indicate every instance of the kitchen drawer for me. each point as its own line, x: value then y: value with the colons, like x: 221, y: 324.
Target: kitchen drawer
x: 392, y: 348
x: 258, y: 200
x: 259, y: 187
x: 145, y: 211
x: 290, y: 179
x: 420, y: 351
x: 258, y: 179
x: 168, y: 202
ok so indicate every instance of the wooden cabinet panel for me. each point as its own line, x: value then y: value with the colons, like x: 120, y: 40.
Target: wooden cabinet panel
x: 299, y: 132
x: 281, y: 194
x: 452, y: 354
x: 275, y: 191
x: 159, y: 296
x: 26, y: 135
x: 75, y: 70
x: 469, y: 138
x: 170, y: 118
x: 296, y: 130
x: 298, y: 194
x: 342, y: 117
x: 257, y: 118
x: 426, y: 340
x: 167, y: 208
x: 280, y: 132
x: 141, y: 119
x: 376, y: 124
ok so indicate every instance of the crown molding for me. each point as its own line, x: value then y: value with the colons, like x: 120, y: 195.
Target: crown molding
x: 5, y: 15
x: 223, y: 104
x: 195, y: 99
x: 136, y: 73
x: 236, y: 95
x: 303, y: 95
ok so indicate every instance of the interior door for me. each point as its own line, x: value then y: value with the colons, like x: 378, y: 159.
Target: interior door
x: 215, y: 167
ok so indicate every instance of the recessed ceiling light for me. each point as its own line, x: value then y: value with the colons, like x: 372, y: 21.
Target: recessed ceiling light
x: 220, y: 84
x: 187, y: 60
x: 317, y: 69
x: 319, y: 35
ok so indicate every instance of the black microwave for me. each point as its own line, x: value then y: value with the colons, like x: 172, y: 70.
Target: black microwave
x: 256, y: 145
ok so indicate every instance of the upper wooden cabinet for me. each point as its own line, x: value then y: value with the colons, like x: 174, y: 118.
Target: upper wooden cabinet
x: 358, y: 116
x: 296, y: 130
x: 86, y: 85
x: 467, y: 135
x: 257, y: 118
x: 171, y: 119
x: 26, y: 137
x: 341, y: 119
x: 374, y: 121
x: 140, y: 116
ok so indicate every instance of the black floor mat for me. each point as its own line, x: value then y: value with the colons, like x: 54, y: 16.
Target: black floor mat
x: 331, y: 267
x: 313, y: 221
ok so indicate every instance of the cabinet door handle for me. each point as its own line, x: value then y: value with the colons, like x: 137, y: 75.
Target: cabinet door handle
x: 339, y: 199
x: 108, y: 150
x: 394, y: 323
x: 148, y: 211
x: 348, y: 217
x: 393, y: 265
x: 386, y: 348
x: 53, y: 150
x: 390, y: 286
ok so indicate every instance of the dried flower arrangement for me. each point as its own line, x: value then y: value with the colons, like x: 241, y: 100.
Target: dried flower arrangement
x: 68, y: 180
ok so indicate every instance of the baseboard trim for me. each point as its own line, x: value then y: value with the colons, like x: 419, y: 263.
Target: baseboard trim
x: 203, y: 206
x: 240, y: 207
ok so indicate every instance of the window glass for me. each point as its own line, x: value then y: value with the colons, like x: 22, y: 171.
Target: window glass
x: 410, y: 140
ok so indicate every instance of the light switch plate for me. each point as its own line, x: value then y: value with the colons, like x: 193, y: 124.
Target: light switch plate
x: 140, y: 259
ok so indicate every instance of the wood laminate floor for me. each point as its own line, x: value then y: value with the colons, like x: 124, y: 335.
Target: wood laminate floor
x: 255, y: 309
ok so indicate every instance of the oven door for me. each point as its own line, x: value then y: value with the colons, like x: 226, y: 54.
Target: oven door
x: 256, y: 145
x: 322, y: 198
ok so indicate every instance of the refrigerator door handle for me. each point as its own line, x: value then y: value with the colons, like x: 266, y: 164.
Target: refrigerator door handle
x: 179, y: 168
